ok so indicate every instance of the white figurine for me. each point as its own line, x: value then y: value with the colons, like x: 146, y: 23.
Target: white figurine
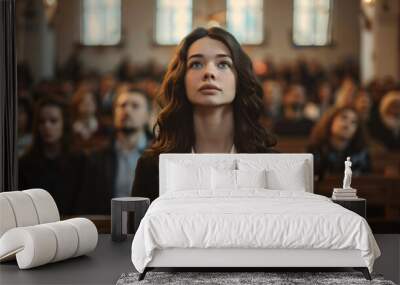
x: 347, y: 174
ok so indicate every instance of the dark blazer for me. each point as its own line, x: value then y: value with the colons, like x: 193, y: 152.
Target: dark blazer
x: 60, y: 176
x: 98, y: 185
x: 146, y: 177
x: 146, y: 183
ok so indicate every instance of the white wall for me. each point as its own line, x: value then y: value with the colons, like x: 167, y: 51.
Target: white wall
x: 138, y: 19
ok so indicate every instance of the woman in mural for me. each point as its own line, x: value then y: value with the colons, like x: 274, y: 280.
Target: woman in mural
x: 212, y: 103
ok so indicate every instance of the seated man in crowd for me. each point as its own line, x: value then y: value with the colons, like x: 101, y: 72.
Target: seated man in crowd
x: 110, y: 172
x: 293, y: 121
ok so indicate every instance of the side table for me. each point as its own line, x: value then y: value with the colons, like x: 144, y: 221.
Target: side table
x: 357, y: 205
x: 119, y: 209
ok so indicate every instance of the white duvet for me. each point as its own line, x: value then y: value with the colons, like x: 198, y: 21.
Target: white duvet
x: 252, y: 218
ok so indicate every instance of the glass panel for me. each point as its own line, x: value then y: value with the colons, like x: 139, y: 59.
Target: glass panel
x: 101, y: 22
x: 173, y: 20
x: 245, y: 20
x: 311, y: 22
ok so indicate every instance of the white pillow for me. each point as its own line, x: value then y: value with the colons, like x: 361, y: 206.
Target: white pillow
x: 251, y: 178
x: 236, y: 179
x: 282, y: 174
x: 295, y: 181
x: 223, y: 179
x: 182, y: 178
x: 189, y: 173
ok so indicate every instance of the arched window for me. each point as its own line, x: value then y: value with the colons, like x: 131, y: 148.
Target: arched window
x: 173, y: 21
x: 312, y: 22
x: 101, y: 22
x: 245, y: 20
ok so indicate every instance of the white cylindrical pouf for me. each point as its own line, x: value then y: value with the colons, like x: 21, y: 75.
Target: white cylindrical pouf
x: 87, y: 234
x: 23, y: 208
x: 34, y: 246
x: 7, y: 218
x: 45, y: 205
x: 67, y: 239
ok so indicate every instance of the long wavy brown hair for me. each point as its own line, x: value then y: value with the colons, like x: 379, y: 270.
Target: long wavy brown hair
x: 174, y: 129
x: 321, y: 133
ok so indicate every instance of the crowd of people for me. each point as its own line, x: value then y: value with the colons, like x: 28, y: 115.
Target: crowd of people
x: 80, y: 135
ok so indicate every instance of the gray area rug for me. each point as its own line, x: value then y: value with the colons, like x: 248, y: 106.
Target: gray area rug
x: 229, y: 278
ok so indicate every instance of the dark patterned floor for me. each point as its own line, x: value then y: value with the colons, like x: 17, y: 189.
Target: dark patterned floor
x: 229, y: 278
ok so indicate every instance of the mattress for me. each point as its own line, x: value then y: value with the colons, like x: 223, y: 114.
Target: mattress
x: 251, y: 219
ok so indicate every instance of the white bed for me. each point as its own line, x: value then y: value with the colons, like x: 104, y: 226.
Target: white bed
x: 201, y: 223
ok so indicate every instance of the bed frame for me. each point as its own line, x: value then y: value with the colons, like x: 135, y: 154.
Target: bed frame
x: 246, y: 258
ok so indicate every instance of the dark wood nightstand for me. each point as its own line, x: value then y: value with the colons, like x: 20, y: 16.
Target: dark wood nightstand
x: 357, y: 205
x: 120, y: 208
